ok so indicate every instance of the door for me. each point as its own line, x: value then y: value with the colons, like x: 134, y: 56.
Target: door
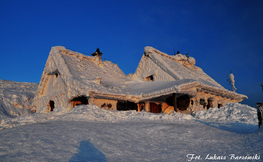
x: 52, y: 105
x: 183, y: 102
x: 155, y: 108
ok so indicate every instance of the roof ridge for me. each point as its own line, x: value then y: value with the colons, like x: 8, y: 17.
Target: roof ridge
x: 62, y: 63
x: 69, y: 52
x: 160, y: 52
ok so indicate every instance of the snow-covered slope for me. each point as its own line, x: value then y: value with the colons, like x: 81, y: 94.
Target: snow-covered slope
x: 88, y: 133
x: 233, y: 117
x: 16, y: 98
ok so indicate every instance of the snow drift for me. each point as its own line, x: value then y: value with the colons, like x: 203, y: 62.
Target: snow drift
x: 231, y: 113
x: 16, y: 98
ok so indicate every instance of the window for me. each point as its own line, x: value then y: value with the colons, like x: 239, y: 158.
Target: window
x: 81, y: 100
x: 202, y: 101
x: 149, y: 78
x: 106, y: 105
x: 56, y: 75
x: 126, y: 105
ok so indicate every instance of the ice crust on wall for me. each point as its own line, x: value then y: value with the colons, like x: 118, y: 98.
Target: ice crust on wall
x: 16, y: 97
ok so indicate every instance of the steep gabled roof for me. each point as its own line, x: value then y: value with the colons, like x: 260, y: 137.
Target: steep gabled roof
x: 77, y: 65
x: 182, y: 70
x: 82, y: 75
x: 178, y: 66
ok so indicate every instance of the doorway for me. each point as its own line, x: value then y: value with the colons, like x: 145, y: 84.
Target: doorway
x: 51, y: 105
x: 183, y: 102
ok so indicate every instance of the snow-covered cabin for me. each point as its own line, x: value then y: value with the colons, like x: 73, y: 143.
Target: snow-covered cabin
x: 161, y: 83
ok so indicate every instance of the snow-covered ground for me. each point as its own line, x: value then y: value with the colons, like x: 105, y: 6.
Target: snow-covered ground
x: 88, y: 133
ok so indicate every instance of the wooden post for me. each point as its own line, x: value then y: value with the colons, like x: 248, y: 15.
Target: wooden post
x: 174, y: 102
x: 141, y: 106
x: 147, y: 106
x: 260, y: 113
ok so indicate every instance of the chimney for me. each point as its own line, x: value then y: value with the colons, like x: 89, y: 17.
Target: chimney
x: 97, y: 56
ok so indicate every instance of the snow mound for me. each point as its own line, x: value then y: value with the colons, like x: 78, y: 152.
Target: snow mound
x: 16, y: 98
x: 94, y: 113
x: 235, y: 117
x: 234, y: 112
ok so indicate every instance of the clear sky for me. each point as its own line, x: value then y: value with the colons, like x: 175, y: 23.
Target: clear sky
x: 221, y: 35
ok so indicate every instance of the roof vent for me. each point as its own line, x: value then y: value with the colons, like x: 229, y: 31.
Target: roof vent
x: 97, y: 56
x: 97, y: 52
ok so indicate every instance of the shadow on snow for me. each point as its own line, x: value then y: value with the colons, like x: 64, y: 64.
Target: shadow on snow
x: 239, y: 128
x: 87, y: 152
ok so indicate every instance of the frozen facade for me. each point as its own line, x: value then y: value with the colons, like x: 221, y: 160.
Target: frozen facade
x: 161, y: 83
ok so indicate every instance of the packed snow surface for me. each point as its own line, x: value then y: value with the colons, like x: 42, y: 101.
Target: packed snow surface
x: 89, y: 133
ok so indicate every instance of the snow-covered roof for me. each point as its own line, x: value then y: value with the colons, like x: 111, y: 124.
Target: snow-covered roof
x: 85, y: 75
x: 178, y: 66
x: 182, y: 70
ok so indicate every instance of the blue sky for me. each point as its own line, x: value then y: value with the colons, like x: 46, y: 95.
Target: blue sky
x: 221, y: 35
